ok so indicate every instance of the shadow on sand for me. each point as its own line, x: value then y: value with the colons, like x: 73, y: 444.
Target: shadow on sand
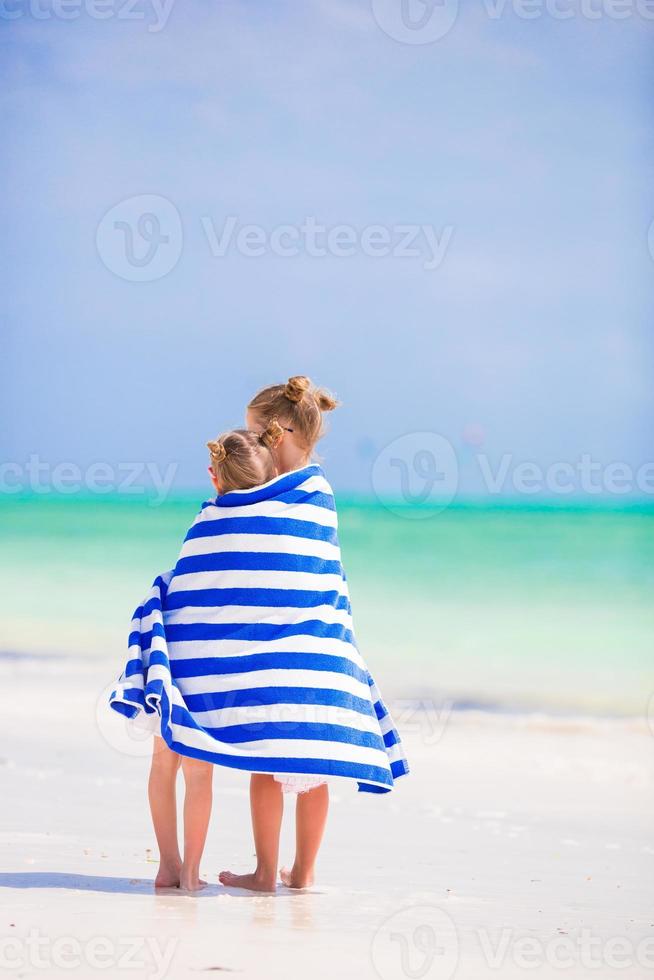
x: 130, y: 886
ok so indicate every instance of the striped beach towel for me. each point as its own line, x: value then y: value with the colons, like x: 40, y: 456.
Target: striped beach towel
x: 244, y: 654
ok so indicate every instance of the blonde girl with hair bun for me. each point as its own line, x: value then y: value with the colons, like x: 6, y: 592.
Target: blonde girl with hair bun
x: 239, y: 460
x: 298, y: 408
x: 242, y: 459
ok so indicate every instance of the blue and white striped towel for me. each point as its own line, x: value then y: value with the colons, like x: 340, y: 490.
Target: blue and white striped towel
x: 244, y: 654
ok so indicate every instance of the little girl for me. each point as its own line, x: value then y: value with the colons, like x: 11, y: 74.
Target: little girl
x: 246, y: 653
x: 239, y: 460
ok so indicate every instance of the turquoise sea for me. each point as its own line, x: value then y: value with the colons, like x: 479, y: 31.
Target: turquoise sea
x: 508, y: 607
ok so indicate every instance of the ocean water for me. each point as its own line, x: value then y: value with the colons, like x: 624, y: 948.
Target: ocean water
x: 504, y: 608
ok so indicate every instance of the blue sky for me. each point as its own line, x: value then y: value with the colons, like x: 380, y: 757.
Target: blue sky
x: 530, y: 140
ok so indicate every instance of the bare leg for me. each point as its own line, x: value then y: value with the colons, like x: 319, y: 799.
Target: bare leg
x: 163, y: 807
x: 310, y: 819
x: 267, y: 807
x: 198, y: 777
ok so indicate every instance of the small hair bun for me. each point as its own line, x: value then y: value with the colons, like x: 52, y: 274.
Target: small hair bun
x: 325, y: 400
x: 297, y: 387
x: 272, y: 433
x: 217, y: 450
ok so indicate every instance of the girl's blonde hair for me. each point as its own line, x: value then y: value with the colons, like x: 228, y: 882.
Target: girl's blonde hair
x: 241, y: 459
x: 299, y: 403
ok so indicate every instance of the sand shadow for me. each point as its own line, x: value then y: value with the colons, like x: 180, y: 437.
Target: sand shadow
x: 129, y: 886
x: 94, y: 883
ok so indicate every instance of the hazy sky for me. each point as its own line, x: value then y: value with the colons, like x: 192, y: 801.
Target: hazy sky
x: 517, y: 152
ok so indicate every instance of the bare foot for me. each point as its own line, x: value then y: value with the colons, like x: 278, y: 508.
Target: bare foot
x: 167, y: 876
x: 294, y: 878
x: 195, y: 885
x: 255, y: 882
x: 190, y: 881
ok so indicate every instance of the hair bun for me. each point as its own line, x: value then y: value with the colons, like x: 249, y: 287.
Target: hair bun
x: 217, y: 450
x: 272, y: 433
x: 325, y: 400
x: 297, y: 387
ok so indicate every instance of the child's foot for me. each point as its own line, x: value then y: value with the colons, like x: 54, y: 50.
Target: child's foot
x: 168, y: 876
x: 190, y: 881
x: 295, y: 878
x: 193, y: 885
x: 255, y: 882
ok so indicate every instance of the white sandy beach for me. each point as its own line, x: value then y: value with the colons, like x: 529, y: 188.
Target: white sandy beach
x: 516, y: 847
